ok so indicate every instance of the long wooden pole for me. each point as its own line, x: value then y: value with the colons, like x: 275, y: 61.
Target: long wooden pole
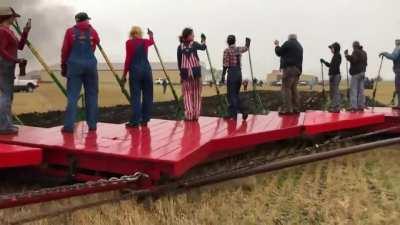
x: 167, y: 77
x: 119, y: 80
x: 223, y: 101
x: 41, y: 61
x: 256, y: 96
x: 377, y: 82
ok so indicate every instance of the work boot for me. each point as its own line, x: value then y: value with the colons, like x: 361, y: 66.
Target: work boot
x: 131, y: 125
x: 9, y: 131
x: 67, y: 130
x: 244, y: 116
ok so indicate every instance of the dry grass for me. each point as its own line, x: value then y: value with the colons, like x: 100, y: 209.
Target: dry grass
x: 48, y: 98
x: 358, y: 189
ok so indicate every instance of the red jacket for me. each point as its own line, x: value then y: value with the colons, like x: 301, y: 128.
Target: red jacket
x: 70, y: 37
x: 9, y: 43
x: 130, y: 50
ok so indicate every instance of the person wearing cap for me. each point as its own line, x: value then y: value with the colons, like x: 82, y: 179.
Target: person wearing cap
x: 233, y: 66
x: 334, y: 77
x: 79, y: 66
x: 140, y: 76
x: 291, y: 53
x: 358, y: 66
x: 395, y: 57
x: 9, y: 45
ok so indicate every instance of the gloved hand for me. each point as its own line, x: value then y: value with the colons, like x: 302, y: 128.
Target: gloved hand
x: 28, y: 26
x: 150, y: 33
x: 123, y: 80
x: 382, y: 54
x: 64, y: 70
x: 248, y: 41
x: 322, y: 60
x: 346, y: 52
x: 276, y: 43
x: 203, y: 38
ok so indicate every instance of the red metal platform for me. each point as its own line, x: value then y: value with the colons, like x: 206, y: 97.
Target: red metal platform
x: 12, y: 156
x: 173, y: 147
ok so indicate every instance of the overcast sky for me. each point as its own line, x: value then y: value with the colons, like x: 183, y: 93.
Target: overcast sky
x: 318, y: 23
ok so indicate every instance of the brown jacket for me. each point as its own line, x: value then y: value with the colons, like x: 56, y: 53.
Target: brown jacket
x: 358, y: 61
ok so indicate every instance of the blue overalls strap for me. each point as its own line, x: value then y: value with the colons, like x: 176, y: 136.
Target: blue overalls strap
x: 82, y: 51
x: 140, y: 60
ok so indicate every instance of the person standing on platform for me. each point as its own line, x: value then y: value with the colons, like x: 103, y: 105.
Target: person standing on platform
x: 79, y: 66
x: 9, y: 46
x: 245, y: 84
x: 164, y: 85
x: 395, y: 57
x: 140, y: 76
x: 334, y: 77
x: 233, y: 66
x: 358, y: 66
x: 291, y: 53
x: 190, y: 72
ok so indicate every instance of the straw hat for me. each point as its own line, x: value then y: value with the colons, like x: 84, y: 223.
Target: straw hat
x: 8, y: 11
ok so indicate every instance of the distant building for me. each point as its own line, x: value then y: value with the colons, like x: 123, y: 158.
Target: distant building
x: 105, y: 75
x: 276, y: 75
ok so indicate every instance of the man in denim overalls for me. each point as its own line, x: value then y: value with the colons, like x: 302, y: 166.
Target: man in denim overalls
x: 79, y: 66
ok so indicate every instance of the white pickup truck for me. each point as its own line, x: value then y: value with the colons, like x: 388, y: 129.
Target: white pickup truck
x: 25, y: 85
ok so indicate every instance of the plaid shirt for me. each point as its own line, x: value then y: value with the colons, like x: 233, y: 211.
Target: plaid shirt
x: 232, y: 56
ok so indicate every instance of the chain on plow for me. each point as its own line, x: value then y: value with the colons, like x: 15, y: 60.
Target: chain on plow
x: 54, y: 193
x: 292, y: 155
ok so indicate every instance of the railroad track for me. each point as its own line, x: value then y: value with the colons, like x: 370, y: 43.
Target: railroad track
x: 265, y: 158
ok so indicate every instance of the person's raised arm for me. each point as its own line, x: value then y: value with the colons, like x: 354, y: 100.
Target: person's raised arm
x: 150, y: 41
x: 24, y: 35
x: 179, y: 57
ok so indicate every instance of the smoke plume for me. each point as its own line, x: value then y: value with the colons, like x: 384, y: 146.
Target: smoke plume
x: 49, y: 21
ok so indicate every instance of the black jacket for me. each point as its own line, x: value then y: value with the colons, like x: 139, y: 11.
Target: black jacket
x: 358, y: 61
x: 291, y: 53
x: 334, y: 65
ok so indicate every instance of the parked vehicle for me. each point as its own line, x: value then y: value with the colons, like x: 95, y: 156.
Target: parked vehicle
x: 160, y: 81
x: 25, y: 85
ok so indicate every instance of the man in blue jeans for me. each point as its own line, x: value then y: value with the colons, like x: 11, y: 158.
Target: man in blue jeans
x: 395, y: 57
x: 334, y: 77
x: 79, y: 66
x: 9, y: 46
x: 358, y: 66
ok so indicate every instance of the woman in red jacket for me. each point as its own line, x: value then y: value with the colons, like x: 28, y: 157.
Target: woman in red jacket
x: 190, y: 71
x: 9, y: 45
x: 140, y: 77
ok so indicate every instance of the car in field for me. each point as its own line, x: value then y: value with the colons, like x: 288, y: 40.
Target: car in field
x: 160, y: 81
x: 25, y: 85
x: 276, y: 83
x: 303, y: 83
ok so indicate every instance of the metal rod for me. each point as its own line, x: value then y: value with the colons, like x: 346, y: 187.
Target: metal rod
x: 323, y: 87
x: 348, y: 80
x: 256, y: 95
x: 223, y: 101
x: 167, y: 77
x: 121, y: 85
x: 376, y: 82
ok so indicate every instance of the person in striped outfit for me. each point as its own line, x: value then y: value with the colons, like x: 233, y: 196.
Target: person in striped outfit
x: 190, y: 72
